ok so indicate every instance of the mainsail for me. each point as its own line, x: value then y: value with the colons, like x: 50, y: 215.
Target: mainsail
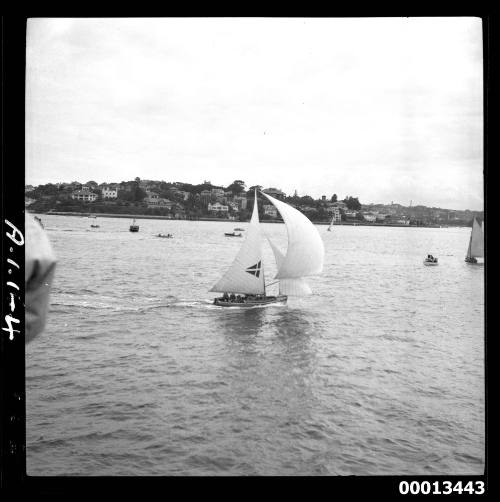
x: 246, y: 274
x: 305, y: 252
x: 476, y: 242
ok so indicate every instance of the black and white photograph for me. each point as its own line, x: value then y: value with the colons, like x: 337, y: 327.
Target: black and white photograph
x: 255, y: 247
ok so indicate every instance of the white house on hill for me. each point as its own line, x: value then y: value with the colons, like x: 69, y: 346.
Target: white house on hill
x: 84, y: 195
x: 109, y: 193
x: 217, y: 206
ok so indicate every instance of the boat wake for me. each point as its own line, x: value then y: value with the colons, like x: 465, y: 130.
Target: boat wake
x: 89, y: 300
x: 65, y: 302
x: 191, y: 303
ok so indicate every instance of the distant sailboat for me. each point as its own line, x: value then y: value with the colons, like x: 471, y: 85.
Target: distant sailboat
x: 245, y: 277
x: 330, y: 226
x: 37, y: 218
x: 134, y: 227
x: 476, y: 243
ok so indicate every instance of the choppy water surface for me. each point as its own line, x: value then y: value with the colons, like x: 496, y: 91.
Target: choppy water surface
x: 379, y: 372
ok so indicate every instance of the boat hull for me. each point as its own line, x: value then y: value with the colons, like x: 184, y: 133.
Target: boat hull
x: 430, y: 263
x: 474, y: 261
x: 252, y: 302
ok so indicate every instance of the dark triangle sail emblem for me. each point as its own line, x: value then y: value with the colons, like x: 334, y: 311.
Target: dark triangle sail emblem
x: 254, y: 269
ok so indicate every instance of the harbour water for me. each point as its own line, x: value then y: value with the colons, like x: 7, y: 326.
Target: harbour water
x: 380, y: 371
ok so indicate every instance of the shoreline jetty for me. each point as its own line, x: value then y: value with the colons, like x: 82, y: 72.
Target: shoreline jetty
x: 157, y: 217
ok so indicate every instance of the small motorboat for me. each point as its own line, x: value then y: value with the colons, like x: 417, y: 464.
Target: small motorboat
x: 232, y: 234
x: 165, y: 236
x: 430, y: 260
x: 94, y: 226
x: 134, y: 227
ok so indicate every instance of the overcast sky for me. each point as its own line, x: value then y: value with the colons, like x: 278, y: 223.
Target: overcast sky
x: 385, y: 109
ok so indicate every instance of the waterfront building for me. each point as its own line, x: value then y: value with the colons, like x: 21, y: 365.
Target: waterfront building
x: 241, y: 200
x: 270, y: 210
x: 178, y: 212
x: 218, y: 207
x: 335, y: 212
x: 154, y: 200
x: 369, y: 217
x: 85, y: 195
x: 218, y: 192
x: 151, y: 199
x: 178, y: 194
x: 109, y: 193
x: 340, y: 205
x: 167, y: 203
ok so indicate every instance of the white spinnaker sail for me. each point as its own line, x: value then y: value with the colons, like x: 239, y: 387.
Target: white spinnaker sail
x: 278, y: 255
x: 289, y: 287
x: 476, y: 245
x: 246, y: 274
x: 294, y: 287
x: 305, y: 251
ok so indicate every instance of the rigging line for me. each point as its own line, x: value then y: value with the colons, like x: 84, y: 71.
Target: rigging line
x: 271, y: 283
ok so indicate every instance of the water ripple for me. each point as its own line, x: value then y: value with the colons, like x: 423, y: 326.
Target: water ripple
x: 138, y: 373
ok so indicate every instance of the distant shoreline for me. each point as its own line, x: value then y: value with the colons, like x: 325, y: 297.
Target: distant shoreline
x: 236, y: 222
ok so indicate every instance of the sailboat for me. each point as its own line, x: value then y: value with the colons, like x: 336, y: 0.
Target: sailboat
x: 244, y: 285
x: 134, y: 227
x: 476, y: 243
x: 331, y: 224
